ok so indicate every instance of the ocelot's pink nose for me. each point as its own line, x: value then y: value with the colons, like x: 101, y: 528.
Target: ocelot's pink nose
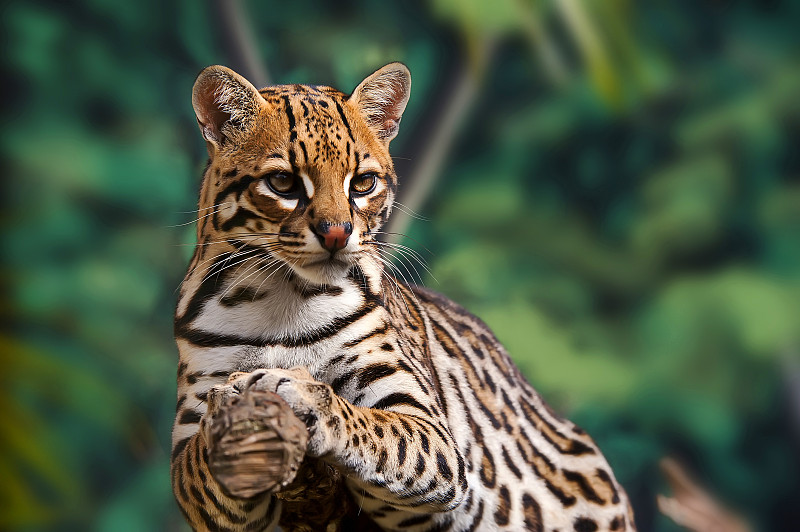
x: 333, y: 237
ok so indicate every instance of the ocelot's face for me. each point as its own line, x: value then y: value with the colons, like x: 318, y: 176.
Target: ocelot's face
x: 307, y: 181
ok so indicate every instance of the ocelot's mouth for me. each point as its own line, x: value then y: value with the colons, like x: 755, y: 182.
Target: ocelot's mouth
x: 341, y: 257
x: 325, y: 269
x: 329, y: 264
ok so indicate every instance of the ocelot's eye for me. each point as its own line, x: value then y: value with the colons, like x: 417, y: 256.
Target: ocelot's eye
x: 363, y: 184
x: 282, y: 183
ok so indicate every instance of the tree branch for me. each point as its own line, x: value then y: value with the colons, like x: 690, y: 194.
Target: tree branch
x: 694, y: 508
x: 426, y: 169
x: 239, y: 43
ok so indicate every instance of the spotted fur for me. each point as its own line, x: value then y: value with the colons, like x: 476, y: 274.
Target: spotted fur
x: 405, y: 392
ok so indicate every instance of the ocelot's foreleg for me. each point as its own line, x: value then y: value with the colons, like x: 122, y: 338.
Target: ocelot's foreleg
x: 206, y: 504
x: 405, y: 461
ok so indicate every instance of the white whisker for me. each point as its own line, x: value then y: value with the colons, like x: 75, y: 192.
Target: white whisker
x: 198, y: 219
x: 409, y: 211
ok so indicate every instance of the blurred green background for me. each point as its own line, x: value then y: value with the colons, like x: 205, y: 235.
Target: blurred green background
x: 613, y: 186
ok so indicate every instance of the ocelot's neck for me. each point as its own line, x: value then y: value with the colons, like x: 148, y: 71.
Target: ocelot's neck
x: 262, y: 296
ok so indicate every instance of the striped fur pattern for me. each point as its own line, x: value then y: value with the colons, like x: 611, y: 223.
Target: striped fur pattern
x: 405, y: 392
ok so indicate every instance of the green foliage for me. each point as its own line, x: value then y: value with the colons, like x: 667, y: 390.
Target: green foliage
x: 621, y: 207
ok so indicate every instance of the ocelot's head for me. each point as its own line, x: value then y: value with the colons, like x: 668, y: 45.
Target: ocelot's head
x: 298, y: 173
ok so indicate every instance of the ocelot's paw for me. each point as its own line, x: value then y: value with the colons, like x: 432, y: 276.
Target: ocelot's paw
x: 218, y: 398
x: 312, y: 401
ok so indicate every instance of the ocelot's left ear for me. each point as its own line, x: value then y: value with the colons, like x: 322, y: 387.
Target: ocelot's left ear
x: 382, y: 98
x: 226, y: 105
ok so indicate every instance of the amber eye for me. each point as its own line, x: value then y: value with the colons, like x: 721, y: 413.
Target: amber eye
x: 282, y: 183
x: 364, y: 183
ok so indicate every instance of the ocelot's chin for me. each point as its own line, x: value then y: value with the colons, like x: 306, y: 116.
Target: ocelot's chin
x: 324, y: 272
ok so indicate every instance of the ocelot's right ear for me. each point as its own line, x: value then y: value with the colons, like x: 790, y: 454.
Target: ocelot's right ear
x: 382, y: 98
x: 226, y: 105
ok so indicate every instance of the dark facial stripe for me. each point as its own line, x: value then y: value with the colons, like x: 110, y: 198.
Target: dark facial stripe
x: 344, y: 120
x: 305, y: 152
x: 290, y: 116
x: 241, y: 295
x: 315, y: 291
x: 236, y: 187
x: 239, y: 219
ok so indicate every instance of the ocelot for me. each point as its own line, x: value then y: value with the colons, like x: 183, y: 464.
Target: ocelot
x: 407, y: 394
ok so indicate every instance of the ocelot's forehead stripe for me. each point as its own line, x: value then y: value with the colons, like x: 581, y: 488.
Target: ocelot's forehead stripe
x: 302, y: 145
x: 344, y: 121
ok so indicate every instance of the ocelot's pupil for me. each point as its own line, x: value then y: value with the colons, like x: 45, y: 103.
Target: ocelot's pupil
x: 364, y: 183
x: 282, y: 182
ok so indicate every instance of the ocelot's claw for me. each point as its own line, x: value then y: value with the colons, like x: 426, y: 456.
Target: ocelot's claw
x: 218, y: 398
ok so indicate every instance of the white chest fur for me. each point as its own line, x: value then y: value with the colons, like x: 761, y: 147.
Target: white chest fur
x: 264, y: 328
x: 279, y: 311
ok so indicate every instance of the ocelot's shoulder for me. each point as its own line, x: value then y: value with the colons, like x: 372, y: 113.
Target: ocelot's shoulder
x: 445, y: 305
x: 431, y: 297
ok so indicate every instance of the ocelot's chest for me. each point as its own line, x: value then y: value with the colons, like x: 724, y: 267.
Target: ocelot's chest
x: 332, y: 330
x: 279, y: 313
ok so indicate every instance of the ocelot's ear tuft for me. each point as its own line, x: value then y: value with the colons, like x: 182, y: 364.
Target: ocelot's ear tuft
x: 225, y: 103
x: 382, y: 98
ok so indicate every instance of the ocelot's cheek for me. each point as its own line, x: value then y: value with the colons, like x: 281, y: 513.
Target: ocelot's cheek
x: 371, y: 204
x: 361, y: 226
x: 269, y: 206
x: 376, y: 211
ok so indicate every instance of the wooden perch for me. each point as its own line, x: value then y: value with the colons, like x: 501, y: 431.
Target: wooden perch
x: 692, y: 507
x: 257, y: 446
